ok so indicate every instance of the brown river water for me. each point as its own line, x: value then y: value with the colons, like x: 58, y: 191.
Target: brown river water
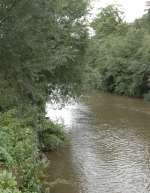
x: 108, y: 149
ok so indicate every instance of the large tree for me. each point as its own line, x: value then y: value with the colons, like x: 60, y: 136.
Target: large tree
x: 41, y: 46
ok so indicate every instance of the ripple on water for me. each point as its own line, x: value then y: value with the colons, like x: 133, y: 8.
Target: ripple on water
x: 110, y: 154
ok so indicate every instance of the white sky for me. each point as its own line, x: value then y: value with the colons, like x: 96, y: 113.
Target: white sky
x: 132, y: 8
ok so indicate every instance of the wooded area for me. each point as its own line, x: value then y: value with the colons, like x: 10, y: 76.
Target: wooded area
x: 45, y: 46
x: 41, y: 49
x: 118, y: 55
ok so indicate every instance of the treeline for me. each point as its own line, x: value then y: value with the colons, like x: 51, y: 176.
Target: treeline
x: 118, y: 54
x: 42, y: 44
x: 42, y: 49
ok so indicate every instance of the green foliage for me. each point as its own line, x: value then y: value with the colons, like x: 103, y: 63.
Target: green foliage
x: 21, y: 143
x: 8, y: 183
x: 41, y: 46
x: 20, y: 150
x: 118, y: 58
x: 108, y: 21
x: 51, y: 136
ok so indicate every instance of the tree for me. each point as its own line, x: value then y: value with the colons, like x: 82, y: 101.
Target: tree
x: 118, y: 55
x: 41, y: 46
x: 108, y: 21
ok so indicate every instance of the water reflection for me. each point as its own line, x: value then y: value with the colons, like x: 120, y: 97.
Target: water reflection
x: 61, y: 115
x: 109, y: 148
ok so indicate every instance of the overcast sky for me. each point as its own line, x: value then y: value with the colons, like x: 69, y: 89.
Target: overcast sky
x: 132, y: 8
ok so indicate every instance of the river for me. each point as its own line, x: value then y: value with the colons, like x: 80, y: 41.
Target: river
x: 108, y: 149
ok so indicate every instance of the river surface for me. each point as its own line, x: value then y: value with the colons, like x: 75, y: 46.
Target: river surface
x: 108, y: 149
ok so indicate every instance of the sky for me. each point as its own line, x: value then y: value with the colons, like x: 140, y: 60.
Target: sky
x: 133, y: 9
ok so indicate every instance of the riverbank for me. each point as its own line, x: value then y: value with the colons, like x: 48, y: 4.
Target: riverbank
x: 42, y: 45
x: 117, y: 60
x: 23, y: 141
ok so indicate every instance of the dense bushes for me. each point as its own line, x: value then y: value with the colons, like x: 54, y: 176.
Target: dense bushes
x: 51, y: 136
x: 118, y: 60
x: 20, y: 150
x: 130, y: 80
x: 8, y: 183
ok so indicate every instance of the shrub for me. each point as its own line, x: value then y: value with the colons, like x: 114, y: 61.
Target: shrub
x: 8, y: 183
x: 19, y: 151
x: 51, y: 135
x: 20, y: 145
